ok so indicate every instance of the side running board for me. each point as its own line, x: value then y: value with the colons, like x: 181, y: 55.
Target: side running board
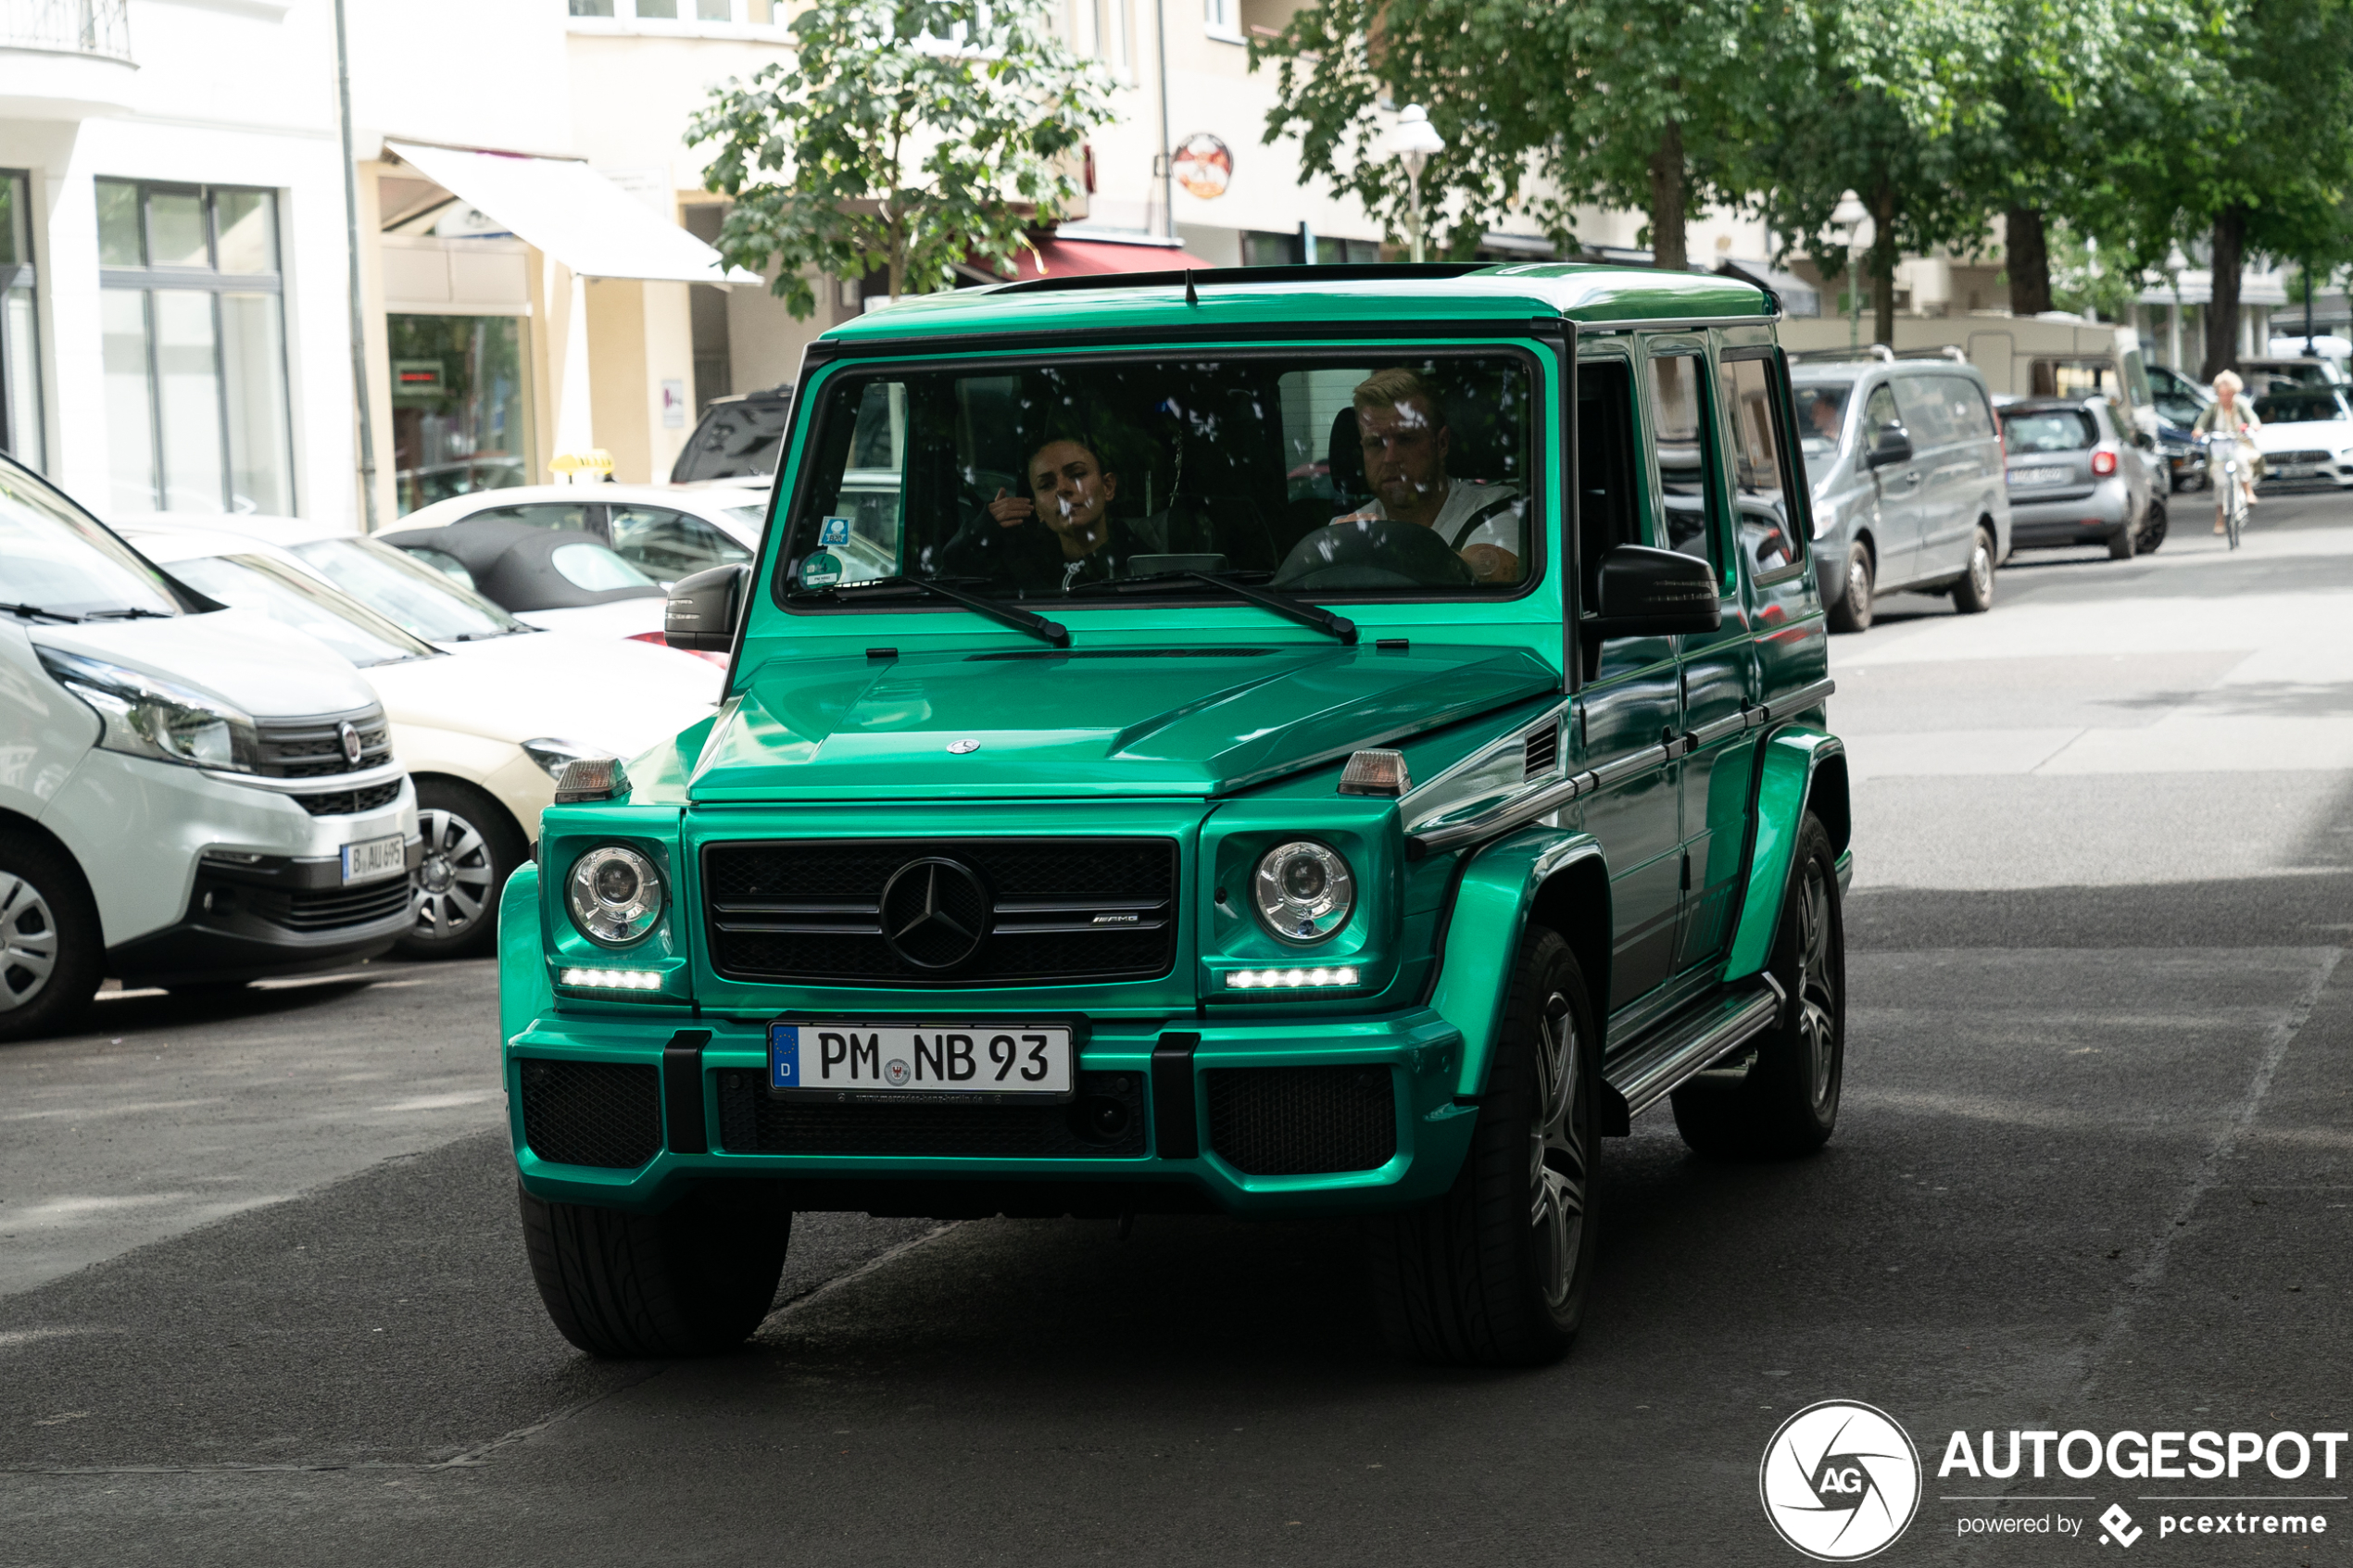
x: 1695, y: 1041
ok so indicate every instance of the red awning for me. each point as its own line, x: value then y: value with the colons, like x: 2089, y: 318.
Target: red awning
x: 1080, y: 258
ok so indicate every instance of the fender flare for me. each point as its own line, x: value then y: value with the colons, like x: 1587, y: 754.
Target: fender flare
x: 1498, y: 889
x: 524, y: 993
x: 1797, y: 759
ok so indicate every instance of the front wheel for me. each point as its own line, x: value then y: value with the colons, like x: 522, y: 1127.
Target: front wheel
x: 1495, y: 1272
x: 691, y: 1280
x: 1973, y: 594
x: 1851, y: 611
x: 472, y: 846
x: 2153, y: 529
x: 51, y: 953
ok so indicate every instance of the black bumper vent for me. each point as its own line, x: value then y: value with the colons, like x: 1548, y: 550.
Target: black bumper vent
x: 1105, y: 1121
x: 1050, y: 909
x: 329, y: 908
x: 1301, y: 1121
x: 592, y: 1112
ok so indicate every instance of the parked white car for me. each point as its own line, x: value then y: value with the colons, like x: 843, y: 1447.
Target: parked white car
x: 485, y: 711
x: 190, y: 795
x: 2305, y: 435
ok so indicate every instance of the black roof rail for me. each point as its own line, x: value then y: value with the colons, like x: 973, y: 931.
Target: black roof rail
x: 1302, y: 273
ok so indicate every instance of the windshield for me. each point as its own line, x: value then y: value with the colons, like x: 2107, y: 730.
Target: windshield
x: 53, y: 558
x: 2298, y: 407
x: 1376, y: 473
x: 2048, y: 429
x: 1821, y: 415
x: 292, y: 598
x: 408, y: 592
x: 737, y: 439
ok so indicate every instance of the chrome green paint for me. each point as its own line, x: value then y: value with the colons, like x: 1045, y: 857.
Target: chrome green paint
x: 1785, y: 779
x: 1482, y: 940
x: 524, y: 990
x: 1090, y: 725
x: 566, y: 832
x: 1237, y: 835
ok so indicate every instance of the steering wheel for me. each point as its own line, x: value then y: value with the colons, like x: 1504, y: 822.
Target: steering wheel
x: 1369, y: 553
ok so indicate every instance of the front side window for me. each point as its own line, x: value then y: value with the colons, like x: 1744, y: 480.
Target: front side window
x: 1376, y: 473
x: 1686, y: 451
x: 21, y: 430
x: 1760, y: 445
x: 193, y: 340
x: 667, y: 545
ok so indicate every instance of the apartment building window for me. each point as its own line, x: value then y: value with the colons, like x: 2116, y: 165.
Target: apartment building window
x: 20, y: 435
x: 1111, y: 44
x: 731, y: 13
x: 1225, y: 20
x: 191, y: 312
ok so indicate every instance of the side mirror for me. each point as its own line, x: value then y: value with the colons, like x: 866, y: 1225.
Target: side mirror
x: 1889, y: 444
x: 1648, y: 593
x: 704, y: 608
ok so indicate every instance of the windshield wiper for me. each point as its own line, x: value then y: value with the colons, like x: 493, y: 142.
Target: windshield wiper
x: 1038, y: 626
x: 34, y: 612
x: 133, y: 613
x: 1317, y: 616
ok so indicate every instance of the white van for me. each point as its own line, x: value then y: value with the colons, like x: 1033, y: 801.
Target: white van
x: 190, y: 795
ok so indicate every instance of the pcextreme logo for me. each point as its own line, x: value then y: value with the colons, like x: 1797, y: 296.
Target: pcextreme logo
x: 1840, y: 1480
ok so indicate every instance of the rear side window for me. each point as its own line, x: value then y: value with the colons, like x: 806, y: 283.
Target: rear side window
x: 1928, y: 409
x: 1760, y: 448
x: 1965, y: 406
x: 2049, y: 429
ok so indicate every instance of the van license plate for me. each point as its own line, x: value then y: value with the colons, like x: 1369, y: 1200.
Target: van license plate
x: 373, y: 858
x: 931, y: 1062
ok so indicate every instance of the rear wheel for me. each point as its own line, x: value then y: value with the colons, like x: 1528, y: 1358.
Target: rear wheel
x: 691, y: 1280
x: 2153, y: 528
x: 52, y: 956
x: 1973, y: 594
x: 1851, y: 611
x: 472, y: 846
x: 1496, y: 1271
x: 2119, y: 543
x: 1784, y: 1100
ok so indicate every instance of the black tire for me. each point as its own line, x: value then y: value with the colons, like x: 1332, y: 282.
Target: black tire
x: 472, y: 847
x: 2153, y: 527
x: 52, y: 955
x: 1784, y: 1100
x: 1496, y: 1271
x: 1973, y: 594
x: 1851, y: 611
x: 2121, y: 544
x: 691, y: 1280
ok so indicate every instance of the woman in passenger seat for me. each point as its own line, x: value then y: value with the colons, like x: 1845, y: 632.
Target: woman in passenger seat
x: 1403, y: 427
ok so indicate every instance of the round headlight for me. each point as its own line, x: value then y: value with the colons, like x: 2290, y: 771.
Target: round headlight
x: 1303, y: 891
x: 615, y: 894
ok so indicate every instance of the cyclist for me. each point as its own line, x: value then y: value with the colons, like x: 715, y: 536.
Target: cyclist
x: 2229, y: 418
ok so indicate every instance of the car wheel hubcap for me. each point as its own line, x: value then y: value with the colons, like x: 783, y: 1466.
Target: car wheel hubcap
x: 1858, y: 585
x: 1980, y: 571
x: 453, y: 883
x: 28, y: 942
x: 1557, y: 1154
x: 1818, y: 991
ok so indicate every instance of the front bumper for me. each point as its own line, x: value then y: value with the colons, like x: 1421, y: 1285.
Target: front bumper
x: 685, y: 1110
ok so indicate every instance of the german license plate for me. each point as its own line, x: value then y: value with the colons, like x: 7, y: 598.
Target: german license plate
x: 373, y: 858
x: 2294, y: 471
x: 933, y: 1061
x: 2041, y: 476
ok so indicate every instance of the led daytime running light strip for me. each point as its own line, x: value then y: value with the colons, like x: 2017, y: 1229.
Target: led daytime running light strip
x: 1287, y: 979
x: 613, y: 979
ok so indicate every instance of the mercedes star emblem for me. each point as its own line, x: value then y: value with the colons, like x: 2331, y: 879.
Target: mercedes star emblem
x: 935, y: 912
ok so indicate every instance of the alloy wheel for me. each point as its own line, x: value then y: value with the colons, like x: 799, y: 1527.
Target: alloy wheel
x: 28, y: 942
x: 453, y: 881
x: 1858, y: 584
x: 1818, y: 992
x: 1980, y: 571
x: 1557, y: 1154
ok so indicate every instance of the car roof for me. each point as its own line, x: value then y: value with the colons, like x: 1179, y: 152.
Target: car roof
x: 709, y: 500
x: 2049, y: 405
x: 1281, y: 296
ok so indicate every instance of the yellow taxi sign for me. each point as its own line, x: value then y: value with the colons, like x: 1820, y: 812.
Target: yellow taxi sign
x: 596, y: 460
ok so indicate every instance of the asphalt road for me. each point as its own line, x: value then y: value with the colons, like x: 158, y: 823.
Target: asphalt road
x: 262, y: 1297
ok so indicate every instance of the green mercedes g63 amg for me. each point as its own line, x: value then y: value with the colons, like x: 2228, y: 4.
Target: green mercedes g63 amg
x: 1303, y: 740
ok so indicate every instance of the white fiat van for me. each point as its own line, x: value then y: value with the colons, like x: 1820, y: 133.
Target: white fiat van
x: 190, y: 795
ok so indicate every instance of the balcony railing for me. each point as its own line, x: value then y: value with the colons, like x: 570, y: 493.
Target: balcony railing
x: 68, y: 27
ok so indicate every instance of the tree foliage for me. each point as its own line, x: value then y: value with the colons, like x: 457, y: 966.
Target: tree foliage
x: 903, y: 136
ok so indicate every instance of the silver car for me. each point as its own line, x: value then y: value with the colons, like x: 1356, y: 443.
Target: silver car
x: 2076, y: 478
x: 1906, y: 470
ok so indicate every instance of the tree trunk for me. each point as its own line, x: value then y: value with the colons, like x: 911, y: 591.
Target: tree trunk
x: 1883, y: 264
x: 1668, y: 190
x: 2223, y: 316
x: 2028, y: 259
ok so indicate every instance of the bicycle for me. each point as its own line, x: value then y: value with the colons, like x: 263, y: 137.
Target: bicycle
x: 2234, y: 499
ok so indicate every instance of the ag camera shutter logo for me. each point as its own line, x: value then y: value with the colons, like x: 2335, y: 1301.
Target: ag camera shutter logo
x: 1840, y: 1481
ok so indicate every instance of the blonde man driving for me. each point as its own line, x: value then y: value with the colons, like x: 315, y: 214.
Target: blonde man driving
x: 1403, y: 427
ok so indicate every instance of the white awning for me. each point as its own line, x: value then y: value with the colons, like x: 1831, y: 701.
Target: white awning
x: 574, y: 214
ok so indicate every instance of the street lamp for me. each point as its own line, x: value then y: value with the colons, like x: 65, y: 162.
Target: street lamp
x: 1411, y: 142
x: 2174, y: 263
x: 1850, y: 218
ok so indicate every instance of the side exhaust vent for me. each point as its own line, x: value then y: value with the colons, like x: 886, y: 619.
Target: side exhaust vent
x: 1543, y: 750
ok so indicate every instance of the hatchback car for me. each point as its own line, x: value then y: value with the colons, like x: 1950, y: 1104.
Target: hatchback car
x: 2076, y: 478
x: 2305, y: 436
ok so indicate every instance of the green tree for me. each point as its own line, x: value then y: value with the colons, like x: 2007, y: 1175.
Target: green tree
x: 903, y: 136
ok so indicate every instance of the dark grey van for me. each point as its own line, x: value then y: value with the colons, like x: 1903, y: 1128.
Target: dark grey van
x: 1905, y: 468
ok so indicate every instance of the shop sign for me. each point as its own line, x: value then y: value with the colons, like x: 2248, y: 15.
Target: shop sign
x: 1203, y: 165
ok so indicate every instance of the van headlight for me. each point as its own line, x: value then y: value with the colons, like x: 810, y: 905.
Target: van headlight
x: 615, y: 894
x: 146, y: 715
x: 1303, y: 891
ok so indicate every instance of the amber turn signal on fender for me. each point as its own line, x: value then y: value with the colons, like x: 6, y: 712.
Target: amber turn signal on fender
x: 1376, y: 772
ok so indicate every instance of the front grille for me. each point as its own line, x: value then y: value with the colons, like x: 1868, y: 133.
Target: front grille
x: 1301, y: 1121
x: 350, y: 802
x: 329, y: 909
x: 1105, y: 1121
x: 592, y: 1112
x: 2301, y: 458
x: 312, y: 748
x: 1051, y: 909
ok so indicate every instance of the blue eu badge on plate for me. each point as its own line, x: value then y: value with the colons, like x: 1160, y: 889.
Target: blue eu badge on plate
x: 834, y: 531
x: 820, y: 571
x: 783, y: 1056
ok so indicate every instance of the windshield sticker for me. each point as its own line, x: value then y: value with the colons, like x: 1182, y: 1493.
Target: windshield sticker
x: 820, y: 571
x: 834, y: 531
